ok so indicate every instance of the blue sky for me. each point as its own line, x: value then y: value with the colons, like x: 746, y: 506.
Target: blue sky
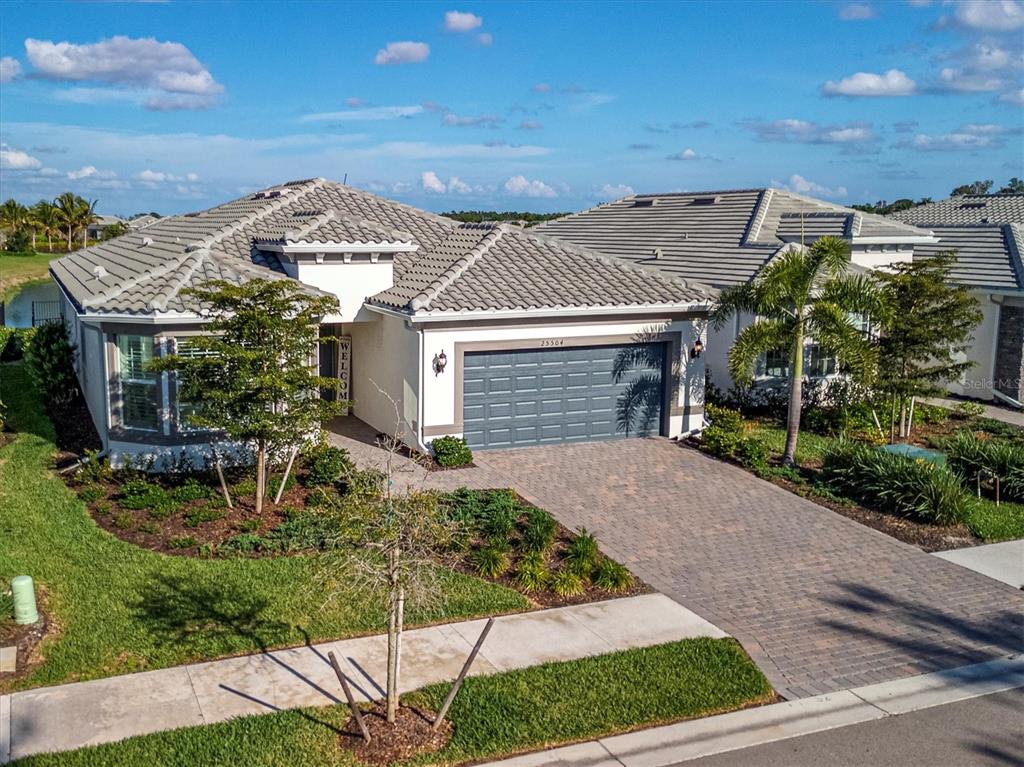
x: 526, y: 106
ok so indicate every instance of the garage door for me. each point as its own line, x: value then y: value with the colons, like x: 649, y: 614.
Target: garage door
x: 544, y: 396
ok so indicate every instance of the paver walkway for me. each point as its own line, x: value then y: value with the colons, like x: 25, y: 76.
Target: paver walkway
x: 87, y: 713
x: 820, y: 602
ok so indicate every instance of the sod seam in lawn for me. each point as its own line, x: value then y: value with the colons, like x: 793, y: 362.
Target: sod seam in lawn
x: 492, y: 717
x: 121, y: 608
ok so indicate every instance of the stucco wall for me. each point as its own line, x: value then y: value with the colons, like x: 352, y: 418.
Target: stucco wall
x: 979, y: 380
x: 384, y: 354
x: 440, y: 409
x: 351, y: 283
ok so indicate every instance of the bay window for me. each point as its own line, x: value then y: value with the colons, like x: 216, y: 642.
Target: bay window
x: 139, y: 386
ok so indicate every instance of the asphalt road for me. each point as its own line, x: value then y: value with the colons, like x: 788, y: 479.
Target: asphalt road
x: 980, y: 732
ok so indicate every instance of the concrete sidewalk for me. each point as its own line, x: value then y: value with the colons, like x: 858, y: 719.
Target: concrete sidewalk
x: 675, y: 743
x: 87, y: 713
x: 999, y: 561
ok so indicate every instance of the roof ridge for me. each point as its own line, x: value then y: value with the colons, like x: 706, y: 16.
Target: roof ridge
x: 764, y: 201
x: 1015, y: 244
x: 277, y: 203
x: 116, y: 290
x: 196, y: 257
x: 423, y: 299
x: 418, y: 211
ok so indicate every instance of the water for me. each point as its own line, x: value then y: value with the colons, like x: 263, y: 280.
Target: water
x: 18, y: 310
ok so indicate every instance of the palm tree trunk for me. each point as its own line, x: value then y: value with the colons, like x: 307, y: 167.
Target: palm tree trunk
x: 796, y: 382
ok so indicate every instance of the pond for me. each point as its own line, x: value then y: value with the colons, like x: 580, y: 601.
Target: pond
x: 18, y: 308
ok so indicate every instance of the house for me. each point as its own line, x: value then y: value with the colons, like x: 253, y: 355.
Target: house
x: 485, y: 331
x: 723, y: 238
x: 95, y: 230
x: 987, y: 234
x: 141, y: 221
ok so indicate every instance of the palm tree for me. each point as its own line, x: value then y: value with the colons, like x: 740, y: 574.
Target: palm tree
x: 13, y: 214
x: 47, y: 216
x: 67, y: 207
x: 86, y: 216
x: 802, y: 294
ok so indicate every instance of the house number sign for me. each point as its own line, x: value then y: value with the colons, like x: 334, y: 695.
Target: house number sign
x: 344, y: 369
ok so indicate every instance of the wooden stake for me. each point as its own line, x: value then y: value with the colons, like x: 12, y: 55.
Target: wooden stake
x: 284, y: 479
x: 356, y: 713
x: 220, y: 476
x: 462, y: 675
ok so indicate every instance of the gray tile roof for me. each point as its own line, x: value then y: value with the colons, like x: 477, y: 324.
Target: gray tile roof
x: 987, y: 255
x: 143, y: 272
x: 719, y: 238
x: 969, y: 209
x: 490, y: 267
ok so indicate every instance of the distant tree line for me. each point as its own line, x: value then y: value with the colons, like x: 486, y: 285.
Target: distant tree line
x: 65, y: 217
x: 479, y: 216
x: 1013, y: 186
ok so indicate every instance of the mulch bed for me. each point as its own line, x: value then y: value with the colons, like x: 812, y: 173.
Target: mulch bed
x: 410, y: 735
x: 27, y: 639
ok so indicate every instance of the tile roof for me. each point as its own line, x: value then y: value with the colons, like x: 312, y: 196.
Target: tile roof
x: 720, y: 237
x: 968, y: 209
x: 987, y: 255
x: 494, y: 267
x: 144, y: 271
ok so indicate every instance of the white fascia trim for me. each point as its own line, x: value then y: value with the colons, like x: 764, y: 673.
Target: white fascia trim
x: 596, y: 311
x: 144, y: 319
x: 907, y: 239
x: 339, y: 247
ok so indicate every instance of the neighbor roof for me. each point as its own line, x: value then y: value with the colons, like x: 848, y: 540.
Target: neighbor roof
x: 145, y: 271
x: 500, y: 267
x: 967, y: 209
x: 987, y: 255
x: 719, y: 237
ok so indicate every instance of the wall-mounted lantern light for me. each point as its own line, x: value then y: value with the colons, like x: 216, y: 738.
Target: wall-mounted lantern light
x: 440, y: 361
x: 697, y: 350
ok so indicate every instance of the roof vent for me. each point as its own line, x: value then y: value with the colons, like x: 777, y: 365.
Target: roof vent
x: 704, y: 200
x: 99, y: 272
x: 658, y: 253
x: 645, y: 202
x: 973, y: 205
x: 147, y: 241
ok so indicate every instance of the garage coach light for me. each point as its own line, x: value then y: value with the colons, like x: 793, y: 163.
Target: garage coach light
x: 697, y: 350
x: 440, y: 361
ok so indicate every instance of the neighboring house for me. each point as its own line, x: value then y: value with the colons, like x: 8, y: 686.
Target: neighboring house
x: 725, y: 238
x: 987, y: 234
x: 487, y: 331
x: 95, y: 230
x: 141, y: 222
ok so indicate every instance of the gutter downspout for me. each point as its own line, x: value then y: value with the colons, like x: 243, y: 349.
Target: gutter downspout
x: 420, y: 444
x: 1007, y: 399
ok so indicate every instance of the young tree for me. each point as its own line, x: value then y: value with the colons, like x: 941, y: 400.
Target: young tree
x: 254, y: 374
x: 931, y: 320
x: 803, y: 294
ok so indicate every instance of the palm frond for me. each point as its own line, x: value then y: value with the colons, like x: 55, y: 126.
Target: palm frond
x: 732, y: 300
x: 858, y: 293
x: 830, y: 255
x: 831, y: 327
x: 753, y: 341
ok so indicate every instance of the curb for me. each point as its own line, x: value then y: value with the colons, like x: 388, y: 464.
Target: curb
x: 696, y: 738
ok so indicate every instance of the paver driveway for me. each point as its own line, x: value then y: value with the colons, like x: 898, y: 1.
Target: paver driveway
x: 820, y: 602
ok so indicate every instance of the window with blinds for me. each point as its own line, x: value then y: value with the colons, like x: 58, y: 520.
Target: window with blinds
x: 138, y: 385
x: 184, y: 347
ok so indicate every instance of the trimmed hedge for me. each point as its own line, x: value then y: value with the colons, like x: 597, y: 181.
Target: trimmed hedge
x: 896, y: 484
x: 726, y: 437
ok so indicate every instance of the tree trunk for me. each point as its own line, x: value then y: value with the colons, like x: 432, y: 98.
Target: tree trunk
x: 903, y: 417
x: 395, y: 604
x: 69, y: 238
x: 892, y: 420
x: 261, y: 474
x: 796, y: 382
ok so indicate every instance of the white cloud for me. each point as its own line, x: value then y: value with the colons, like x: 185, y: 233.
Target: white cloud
x: 520, y: 186
x: 893, y: 83
x: 403, y: 52
x: 801, y: 185
x: 16, y: 159
x: 10, y: 69
x: 1015, y: 97
x: 807, y: 132
x: 614, y: 191
x: 541, y: 88
x: 965, y: 138
x: 686, y: 154
x: 954, y: 79
x: 990, y: 15
x: 169, y: 70
x: 856, y: 12
x: 367, y: 114
x: 90, y: 171
x: 458, y: 186
x: 431, y: 183
x: 485, y: 38
x: 192, y: 177
x: 452, y: 120
x: 459, y: 21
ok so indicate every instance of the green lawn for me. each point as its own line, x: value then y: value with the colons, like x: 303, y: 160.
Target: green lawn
x: 492, y: 716
x: 19, y: 268
x: 987, y: 521
x: 121, y: 608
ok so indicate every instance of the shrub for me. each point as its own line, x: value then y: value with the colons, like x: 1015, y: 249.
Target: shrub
x: 245, y: 487
x: 101, y: 508
x: 151, y: 528
x: 490, y: 561
x: 124, y: 520
x: 531, y: 573
x: 95, y: 469
x: 327, y: 464
x: 302, y: 531
x: 275, y: 482
x: 140, y: 494
x: 364, y: 482
x: 539, y: 531
x: 567, y: 583
x: 18, y: 241
x: 451, y: 451
x: 581, y: 555
x: 724, y: 418
x: 465, y: 506
x: 896, y: 484
x: 164, y: 508
x: 249, y: 525
x: 500, y: 523
x: 611, y: 576
x: 191, y: 490
x: 969, y: 456
x: 13, y: 342
x: 932, y: 415
x: 91, y: 492
x: 753, y: 452
x: 726, y: 438
x: 201, y: 516
x: 184, y: 542
x: 49, y: 359
x: 968, y: 410
x: 244, y: 543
